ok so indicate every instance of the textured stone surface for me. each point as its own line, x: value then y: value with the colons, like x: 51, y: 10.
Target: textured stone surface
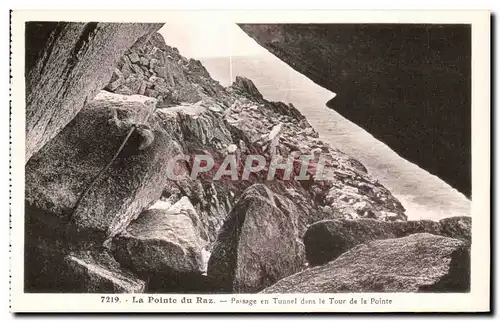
x: 400, y: 82
x: 457, y: 227
x: 328, y: 239
x: 416, y: 263
x: 152, y: 68
x: 67, y: 64
x: 162, y: 241
x: 258, y: 243
x: 58, y: 175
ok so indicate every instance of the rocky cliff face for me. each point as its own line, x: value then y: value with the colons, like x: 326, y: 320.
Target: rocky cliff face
x: 67, y: 64
x: 408, y: 85
x: 103, y: 209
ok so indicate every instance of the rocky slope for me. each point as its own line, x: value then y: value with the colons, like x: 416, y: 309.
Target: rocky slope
x: 408, y: 85
x: 104, y: 210
x: 239, y: 115
x: 67, y: 64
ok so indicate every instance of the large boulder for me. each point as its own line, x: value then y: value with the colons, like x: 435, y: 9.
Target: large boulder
x: 258, y: 243
x: 328, y: 239
x: 408, y: 85
x: 59, y: 177
x: 162, y: 241
x: 67, y: 64
x: 416, y: 263
x: 457, y: 227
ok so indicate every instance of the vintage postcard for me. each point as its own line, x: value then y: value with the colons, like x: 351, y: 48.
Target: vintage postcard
x: 261, y: 161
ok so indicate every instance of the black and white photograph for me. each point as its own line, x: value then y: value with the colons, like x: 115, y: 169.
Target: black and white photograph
x: 242, y: 159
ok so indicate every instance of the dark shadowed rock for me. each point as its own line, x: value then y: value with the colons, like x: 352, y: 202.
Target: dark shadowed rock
x: 328, y: 239
x: 58, y: 175
x: 181, y: 283
x: 416, y: 263
x: 247, y: 86
x: 67, y: 64
x: 159, y: 242
x: 258, y: 244
x: 98, y: 272
x: 56, y: 263
x: 408, y: 85
x: 457, y: 227
x: 405, y: 228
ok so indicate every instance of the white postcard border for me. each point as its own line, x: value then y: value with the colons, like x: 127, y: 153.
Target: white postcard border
x: 477, y: 300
